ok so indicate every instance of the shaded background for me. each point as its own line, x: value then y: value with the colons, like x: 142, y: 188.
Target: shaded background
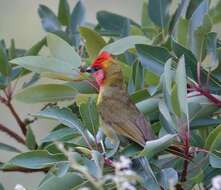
x: 19, y: 20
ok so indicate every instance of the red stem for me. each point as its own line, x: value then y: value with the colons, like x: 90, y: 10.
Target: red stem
x: 12, y: 134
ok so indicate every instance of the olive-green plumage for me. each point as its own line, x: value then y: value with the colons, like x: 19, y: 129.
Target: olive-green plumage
x: 117, y: 112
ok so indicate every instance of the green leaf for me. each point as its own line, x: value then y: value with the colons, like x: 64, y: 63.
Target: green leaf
x: 83, y: 87
x: 110, y: 22
x: 64, y: 12
x: 9, y: 148
x: 48, y: 19
x: 182, y: 87
x: 215, y: 13
x: 61, y: 50
x: 94, y: 42
x: 1, y: 187
x: 168, y: 178
x: 145, y: 19
x: 60, y: 135
x: 36, y: 159
x: 215, y: 160
x: 99, y: 162
x: 211, y: 61
x: 153, y: 58
x: 46, y: 93
x: 181, y: 32
x: 120, y: 46
x: 197, y: 20
x: 67, y: 182
x: 213, y: 140
x: 35, y: 49
x: 89, y: 116
x: 4, y: 64
x: 159, y: 12
x: 77, y: 19
x: 64, y: 116
x: 30, y: 139
x: 155, y: 146
x: 40, y: 64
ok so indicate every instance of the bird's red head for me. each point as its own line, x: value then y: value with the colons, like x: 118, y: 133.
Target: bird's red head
x: 97, y: 68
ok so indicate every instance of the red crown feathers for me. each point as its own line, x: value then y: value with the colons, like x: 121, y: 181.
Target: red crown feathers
x: 101, y: 58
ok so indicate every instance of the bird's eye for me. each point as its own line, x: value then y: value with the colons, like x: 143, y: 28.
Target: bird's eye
x: 92, y: 69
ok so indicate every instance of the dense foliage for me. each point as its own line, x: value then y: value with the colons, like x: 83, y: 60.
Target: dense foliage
x: 171, y: 65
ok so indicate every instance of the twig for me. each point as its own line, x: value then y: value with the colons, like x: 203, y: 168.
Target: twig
x: 20, y: 123
x: 25, y: 170
x: 12, y: 134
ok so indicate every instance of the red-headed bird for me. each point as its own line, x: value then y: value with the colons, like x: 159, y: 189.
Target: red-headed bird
x: 117, y: 112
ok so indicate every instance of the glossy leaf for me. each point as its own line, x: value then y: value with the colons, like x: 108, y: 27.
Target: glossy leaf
x: 155, y: 146
x: 77, y: 20
x: 30, y: 139
x: 215, y: 160
x: 89, y: 116
x: 93, y: 41
x: 153, y: 58
x: 181, y: 32
x: 46, y: 93
x: 213, y: 140
x: 4, y: 64
x: 40, y: 64
x: 36, y: 159
x: 64, y: 12
x: 168, y: 176
x: 182, y: 86
x: 35, y: 49
x: 145, y: 19
x: 159, y: 12
x: 110, y: 22
x: 64, y: 116
x: 9, y: 148
x: 60, y: 135
x: 61, y: 50
x: 48, y: 19
x: 67, y: 182
x: 122, y: 45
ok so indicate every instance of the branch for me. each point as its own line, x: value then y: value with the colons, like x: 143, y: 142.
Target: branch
x: 20, y: 123
x: 26, y: 170
x: 12, y: 134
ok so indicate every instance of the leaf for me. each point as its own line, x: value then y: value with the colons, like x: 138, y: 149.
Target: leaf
x: 48, y: 19
x: 215, y: 14
x: 77, y: 20
x: 64, y: 116
x: 182, y: 87
x: 145, y: 19
x: 94, y: 42
x: 30, y: 140
x: 169, y: 177
x: 46, y: 93
x: 61, y: 50
x: 35, y: 49
x: 213, y: 139
x: 99, y: 162
x: 153, y: 58
x: 9, y: 148
x: 110, y: 23
x: 120, y: 46
x: 67, y: 182
x: 155, y: 146
x: 4, y: 64
x: 62, y: 134
x: 40, y: 64
x: 89, y: 116
x: 197, y: 20
x: 159, y: 12
x: 211, y: 61
x: 36, y: 159
x: 215, y: 160
x: 1, y: 187
x: 83, y: 87
x: 181, y: 32
x: 64, y: 12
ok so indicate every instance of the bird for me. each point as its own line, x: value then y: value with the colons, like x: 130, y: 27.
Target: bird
x: 118, y: 114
